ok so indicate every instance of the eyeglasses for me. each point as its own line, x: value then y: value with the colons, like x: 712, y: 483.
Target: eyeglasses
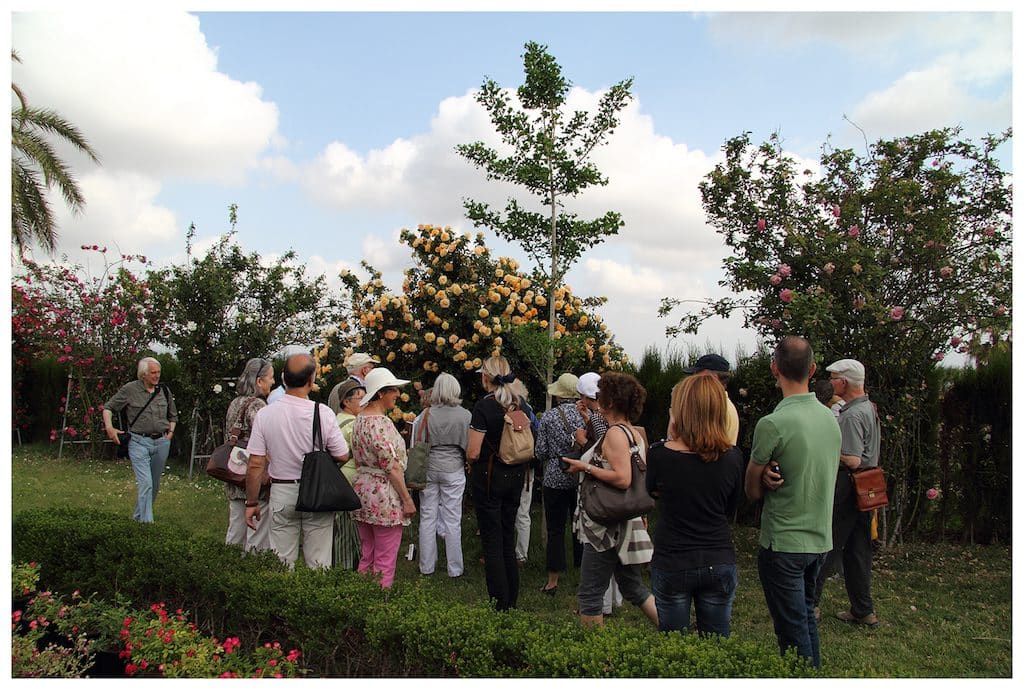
x: 836, y: 378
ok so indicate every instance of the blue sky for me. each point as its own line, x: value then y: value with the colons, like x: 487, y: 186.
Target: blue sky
x: 333, y: 130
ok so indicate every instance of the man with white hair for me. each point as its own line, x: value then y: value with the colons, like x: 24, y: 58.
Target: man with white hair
x: 149, y: 415
x: 851, y: 528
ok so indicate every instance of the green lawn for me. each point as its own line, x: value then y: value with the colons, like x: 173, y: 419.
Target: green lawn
x: 945, y: 609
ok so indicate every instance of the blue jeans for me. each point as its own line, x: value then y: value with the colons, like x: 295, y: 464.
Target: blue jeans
x: 711, y: 589
x: 788, y: 582
x: 148, y: 456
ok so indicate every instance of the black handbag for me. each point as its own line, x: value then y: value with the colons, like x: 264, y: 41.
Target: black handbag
x: 322, y: 487
x: 608, y: 505
x: 122, y: 438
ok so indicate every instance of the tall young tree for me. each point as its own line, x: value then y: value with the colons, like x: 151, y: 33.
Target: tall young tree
x: 550, y: 159
x: 35, y: 167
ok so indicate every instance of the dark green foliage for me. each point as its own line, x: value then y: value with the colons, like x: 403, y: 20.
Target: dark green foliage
x: 344, y: 623
x: 974, y: 473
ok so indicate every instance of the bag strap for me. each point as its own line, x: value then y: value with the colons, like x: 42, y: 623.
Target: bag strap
x: 317, y: 433
x: 240, y: 427
x: 151, y: 398
x: 346, y: 423
x: 565, y: 420
x: 423, y: 428
x: 633, y: 447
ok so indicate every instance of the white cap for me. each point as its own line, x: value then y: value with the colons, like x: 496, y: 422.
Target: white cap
x: 849, y: 369
x: 587, y: 385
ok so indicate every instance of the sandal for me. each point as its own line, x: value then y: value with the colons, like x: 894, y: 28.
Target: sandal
x: 550, y: 591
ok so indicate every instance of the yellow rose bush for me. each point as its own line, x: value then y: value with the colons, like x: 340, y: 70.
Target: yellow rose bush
x: 459, y: 305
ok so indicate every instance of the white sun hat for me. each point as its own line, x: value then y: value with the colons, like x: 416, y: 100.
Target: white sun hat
x: 380, y: 377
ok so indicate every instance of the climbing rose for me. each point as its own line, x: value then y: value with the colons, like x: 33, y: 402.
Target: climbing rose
x: 775, y: 279
x: 761, y: 224
x: 932, y: 494
x: 784, y: 270
x: 786, y: 295
x: 854, y: 231
x: 896, y: 313
x: 954, y: 341
x: 946, y: 271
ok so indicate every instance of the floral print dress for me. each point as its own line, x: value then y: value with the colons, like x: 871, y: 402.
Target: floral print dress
x: 377, y: 446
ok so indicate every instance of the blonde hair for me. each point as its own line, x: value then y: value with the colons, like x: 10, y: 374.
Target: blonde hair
x: 507, y: 394
x: 700, y: 416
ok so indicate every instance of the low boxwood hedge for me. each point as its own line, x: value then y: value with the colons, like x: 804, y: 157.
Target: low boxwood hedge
x: 344, y: 623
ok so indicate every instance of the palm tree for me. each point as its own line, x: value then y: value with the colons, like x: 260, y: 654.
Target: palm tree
x: 35, y: 168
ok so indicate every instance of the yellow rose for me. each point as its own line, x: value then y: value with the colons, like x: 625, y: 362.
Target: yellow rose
x: 404, y: 397
x: 445, y: 304
x: 497, y: 341
x: 482, y: 313
x: 429, y: 337
x: 443, y: 280
x: 584, y: 320
x: 444, y: 325
x: 467, y: 365
x: 449, y: 267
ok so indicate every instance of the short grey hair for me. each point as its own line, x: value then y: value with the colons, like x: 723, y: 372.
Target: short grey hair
x: 446, y: 391
x: 144, y: 363
x: 254, y: 369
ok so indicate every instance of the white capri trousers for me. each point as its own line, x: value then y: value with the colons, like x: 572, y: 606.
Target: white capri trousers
x: 287, y: 525
x: 441, y: 516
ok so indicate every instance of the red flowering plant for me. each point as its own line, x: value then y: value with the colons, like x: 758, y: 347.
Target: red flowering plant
x: 159, y: 643
x: 458, y: 306
x: 95, y: 325
x: 46, y: 638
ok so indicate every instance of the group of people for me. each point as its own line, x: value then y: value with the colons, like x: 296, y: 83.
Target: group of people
x: 800, y: 464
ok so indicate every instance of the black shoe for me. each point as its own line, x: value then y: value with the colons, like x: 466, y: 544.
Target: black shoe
x: 550, y: 591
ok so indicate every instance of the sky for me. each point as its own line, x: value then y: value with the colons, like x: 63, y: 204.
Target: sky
x: 333, y: 130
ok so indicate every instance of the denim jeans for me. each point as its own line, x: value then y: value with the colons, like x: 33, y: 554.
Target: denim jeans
x: 597, y: 569
x: 711, y: 589
x: 148, y: 457
x: 788, y: 582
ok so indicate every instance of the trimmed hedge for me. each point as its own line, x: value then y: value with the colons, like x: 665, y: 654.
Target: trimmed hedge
x: 344, y: 623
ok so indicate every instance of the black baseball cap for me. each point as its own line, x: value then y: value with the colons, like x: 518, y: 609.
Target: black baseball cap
x: 710, y: 362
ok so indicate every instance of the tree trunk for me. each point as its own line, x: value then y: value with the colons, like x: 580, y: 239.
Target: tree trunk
x: 555, y: 279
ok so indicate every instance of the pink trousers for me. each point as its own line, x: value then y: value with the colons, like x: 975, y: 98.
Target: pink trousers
x: 380, y: 551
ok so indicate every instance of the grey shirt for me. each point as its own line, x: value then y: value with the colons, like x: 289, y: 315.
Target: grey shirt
x: 448, y: 428
x: 861, y: 430
x: 132, y: 397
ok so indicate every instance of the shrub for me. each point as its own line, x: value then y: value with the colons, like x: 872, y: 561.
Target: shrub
x: 344, y: 623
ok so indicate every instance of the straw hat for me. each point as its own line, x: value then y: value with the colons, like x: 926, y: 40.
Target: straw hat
x: 565, y: 387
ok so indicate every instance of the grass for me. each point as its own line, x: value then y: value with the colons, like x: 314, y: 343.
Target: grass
x: 945, y: 609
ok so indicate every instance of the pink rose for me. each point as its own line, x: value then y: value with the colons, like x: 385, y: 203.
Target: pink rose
x: 990, y: 231
x: 761, y: 224
x: 776, y: 324
x: 854, y: 231
x: 946, y: 271
x: 932, y: 494
x: 784, y: 270
x: 859, y: 302
x: 836, y: 210
x: 786, y: 295
x: 1001, y: 310
x: 896, y: 313
x: 775, y: 279
x: 938, y: 356
x: 829, y: 267
x: 954, y: 341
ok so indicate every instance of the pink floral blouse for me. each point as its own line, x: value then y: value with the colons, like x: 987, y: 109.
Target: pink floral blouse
x: 376, y: 447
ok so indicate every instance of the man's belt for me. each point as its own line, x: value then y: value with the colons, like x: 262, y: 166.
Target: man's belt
x: 156, y: 435
x: 284, y: 481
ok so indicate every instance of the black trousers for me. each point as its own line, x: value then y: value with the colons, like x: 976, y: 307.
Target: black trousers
x: 851, y: 546
x: 559, y: 505
x: 496, y: 506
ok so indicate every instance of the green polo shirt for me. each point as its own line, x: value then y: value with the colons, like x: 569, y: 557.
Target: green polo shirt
x: 156, y: 417
x: 802, y: 435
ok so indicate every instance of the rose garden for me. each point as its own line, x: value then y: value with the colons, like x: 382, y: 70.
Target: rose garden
x: 899, y: 257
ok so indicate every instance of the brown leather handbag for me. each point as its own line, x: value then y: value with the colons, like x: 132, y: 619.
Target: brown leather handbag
x: 869, y: 486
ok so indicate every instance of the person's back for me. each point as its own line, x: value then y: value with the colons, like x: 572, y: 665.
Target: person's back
x: 448, y: 426
x: 803, y: 437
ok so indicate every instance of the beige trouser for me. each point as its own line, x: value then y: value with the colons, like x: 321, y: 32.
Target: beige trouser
x: 287, y: 525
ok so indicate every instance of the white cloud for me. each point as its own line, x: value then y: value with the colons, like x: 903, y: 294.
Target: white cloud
x: 936, y: 97
x: 144, y: 89
x: 121, y: 212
